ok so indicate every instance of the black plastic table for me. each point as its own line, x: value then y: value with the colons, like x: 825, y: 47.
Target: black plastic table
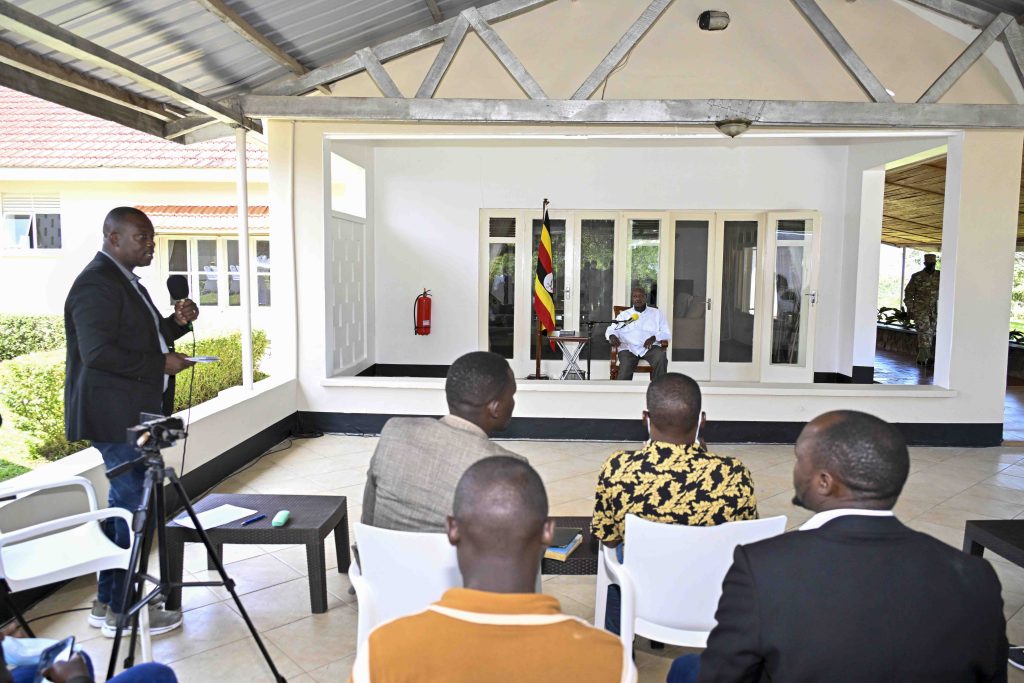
x: 311, y: 519
x: 583, y: 560
x: 1004, y: 537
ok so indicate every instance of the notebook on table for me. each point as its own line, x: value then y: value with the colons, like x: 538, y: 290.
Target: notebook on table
x: 565, y: 541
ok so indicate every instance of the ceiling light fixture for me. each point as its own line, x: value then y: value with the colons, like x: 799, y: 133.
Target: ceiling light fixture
x: 733, y: 127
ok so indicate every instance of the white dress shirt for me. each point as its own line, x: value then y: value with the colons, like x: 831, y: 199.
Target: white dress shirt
x: 823, y: 518
x: 649, y: 323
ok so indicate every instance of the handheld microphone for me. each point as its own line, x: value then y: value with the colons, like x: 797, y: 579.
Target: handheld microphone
x: 177, y: 287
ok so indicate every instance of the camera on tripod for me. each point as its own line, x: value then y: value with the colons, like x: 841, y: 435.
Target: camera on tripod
x: 156, y: 432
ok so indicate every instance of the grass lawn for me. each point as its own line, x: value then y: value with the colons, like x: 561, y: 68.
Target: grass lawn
x: 14, y: 457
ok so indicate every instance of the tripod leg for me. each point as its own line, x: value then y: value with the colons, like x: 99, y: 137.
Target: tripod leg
x: 141, y: 617
x: 8, y: 601
x: 228, y: 583
x: 139, y: 524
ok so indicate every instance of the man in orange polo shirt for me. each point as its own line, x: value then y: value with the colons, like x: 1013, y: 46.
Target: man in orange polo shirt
x: 496, y: 629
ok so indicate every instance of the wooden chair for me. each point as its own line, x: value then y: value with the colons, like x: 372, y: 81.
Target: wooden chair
x: 614, y: 371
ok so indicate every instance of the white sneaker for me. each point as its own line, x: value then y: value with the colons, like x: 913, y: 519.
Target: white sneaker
x: 160, y: 621
x: 98, y: 615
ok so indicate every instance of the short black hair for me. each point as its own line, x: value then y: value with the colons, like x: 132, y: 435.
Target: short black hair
x: 501, y: 478
x: 674, y: 398
x: 116, y: 218
x: 476, y: 379
x: 866, y: 453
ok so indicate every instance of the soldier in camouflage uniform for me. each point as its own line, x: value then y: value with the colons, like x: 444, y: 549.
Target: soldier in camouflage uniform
x: 921, y: 299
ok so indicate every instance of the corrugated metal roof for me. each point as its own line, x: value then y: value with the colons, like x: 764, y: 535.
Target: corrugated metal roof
x: 180, y: 218
x: 188, y: 44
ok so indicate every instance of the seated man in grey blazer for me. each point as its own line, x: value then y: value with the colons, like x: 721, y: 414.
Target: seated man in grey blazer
x: 419, y: 460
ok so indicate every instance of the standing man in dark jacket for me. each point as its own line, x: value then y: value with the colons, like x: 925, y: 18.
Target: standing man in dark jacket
x: 120, y: 363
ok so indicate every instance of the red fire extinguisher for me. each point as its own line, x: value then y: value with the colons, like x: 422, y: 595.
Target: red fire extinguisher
x: 421, y: 313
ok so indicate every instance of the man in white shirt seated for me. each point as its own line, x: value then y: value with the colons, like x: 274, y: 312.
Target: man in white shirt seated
x: 639, y: 332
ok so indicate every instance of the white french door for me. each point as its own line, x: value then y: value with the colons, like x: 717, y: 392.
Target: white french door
x: 791, y: 258
x: 738, y: 288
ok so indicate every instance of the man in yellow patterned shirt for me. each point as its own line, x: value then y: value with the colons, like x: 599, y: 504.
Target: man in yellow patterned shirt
x: 672, y: 479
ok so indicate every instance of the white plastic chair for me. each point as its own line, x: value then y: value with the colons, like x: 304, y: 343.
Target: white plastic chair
x: 399, y: 573
x: 60, y: 549
x: 672, y: 575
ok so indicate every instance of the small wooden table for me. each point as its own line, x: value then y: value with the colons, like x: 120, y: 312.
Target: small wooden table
x: 311, y: 519
x: 1004, y: 537
x: 583, y: 560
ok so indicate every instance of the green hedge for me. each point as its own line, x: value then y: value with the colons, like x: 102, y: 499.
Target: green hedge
x: 32, y: 389
x: 32, y: 392
x: 21, y: 334
x: 209, y: 379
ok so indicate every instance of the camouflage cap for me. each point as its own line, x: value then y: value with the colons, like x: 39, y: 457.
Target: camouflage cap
x: 929, y: 257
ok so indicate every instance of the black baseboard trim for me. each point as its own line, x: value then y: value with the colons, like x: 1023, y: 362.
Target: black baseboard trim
x: 398, y: 370
x: 863, y: 374
x: 216, y: 470
x: 831, y: 378
x: 590, y: 429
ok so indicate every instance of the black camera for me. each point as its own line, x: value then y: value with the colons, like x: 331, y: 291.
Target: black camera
x: 156, y: 432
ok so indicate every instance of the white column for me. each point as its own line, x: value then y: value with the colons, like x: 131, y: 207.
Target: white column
x: 979, y: 233
x: 872, y: 193
x: 243, y: 258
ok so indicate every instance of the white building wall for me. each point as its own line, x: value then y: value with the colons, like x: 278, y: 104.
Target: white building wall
x: 37, y: 281
x: 428, y: 199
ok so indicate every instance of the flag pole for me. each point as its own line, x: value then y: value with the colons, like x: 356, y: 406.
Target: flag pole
x: 537, y: 374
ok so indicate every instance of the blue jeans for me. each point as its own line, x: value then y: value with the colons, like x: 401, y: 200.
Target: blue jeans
x: 613, y: 599
x: 684, y: 669
x: 125, y: 492
x: 149, y: 672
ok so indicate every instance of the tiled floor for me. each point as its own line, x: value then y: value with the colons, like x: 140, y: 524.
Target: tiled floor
x: 947, y: 486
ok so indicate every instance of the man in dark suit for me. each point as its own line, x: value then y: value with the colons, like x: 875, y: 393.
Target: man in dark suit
x: 855, y: 595
x: 120, y: 363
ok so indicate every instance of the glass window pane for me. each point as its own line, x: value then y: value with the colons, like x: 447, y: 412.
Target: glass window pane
x: 262, y: 272
x: 644, y: 251
x: 177, y: 256
x: 791, y: 275
x: 262, y: 256
x: 16, y: 231
x: 263, y: 290
x: 558, y: 263
x: 206, y: 256
x: 597, y: 253
x: 502, y: 297
x: 234, y: 282
x: 690, y: 291
x: 47, y: 231
x: 739, y: 286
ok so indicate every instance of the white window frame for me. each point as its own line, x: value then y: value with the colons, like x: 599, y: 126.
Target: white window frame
x: 31, y: 206
x: 223, y: 272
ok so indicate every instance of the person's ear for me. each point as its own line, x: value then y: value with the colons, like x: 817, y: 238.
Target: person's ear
x: 548, y: 533
x: 826, y: 484
x: 452, y: 529
x: 645, y: 417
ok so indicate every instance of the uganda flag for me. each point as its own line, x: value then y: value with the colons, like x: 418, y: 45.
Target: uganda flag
x: 544, y: 283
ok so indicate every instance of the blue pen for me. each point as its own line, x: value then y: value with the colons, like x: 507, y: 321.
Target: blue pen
x: 253, y: 519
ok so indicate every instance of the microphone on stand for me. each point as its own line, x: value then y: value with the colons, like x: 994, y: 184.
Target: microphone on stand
x: 177, y: 287
x: 622, y: 323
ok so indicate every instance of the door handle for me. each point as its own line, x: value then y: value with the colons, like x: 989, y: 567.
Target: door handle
x: 813, y: 296
x: 708, y: 302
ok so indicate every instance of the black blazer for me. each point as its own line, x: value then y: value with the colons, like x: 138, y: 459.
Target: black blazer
x: 861, y: 599
x: 115, y: 368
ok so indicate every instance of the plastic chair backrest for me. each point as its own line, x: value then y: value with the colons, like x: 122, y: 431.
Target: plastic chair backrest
x: 678, y: 570
x: 407, y: 571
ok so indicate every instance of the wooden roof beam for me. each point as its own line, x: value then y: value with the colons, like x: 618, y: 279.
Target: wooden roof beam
x: 79, y: 100
x: 236, y: 23
x: 51, y: 36
x: 42, y: 67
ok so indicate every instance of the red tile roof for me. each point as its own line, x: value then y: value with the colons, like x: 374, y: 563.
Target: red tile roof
x: 172, y: 218
x: 35, y: 133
